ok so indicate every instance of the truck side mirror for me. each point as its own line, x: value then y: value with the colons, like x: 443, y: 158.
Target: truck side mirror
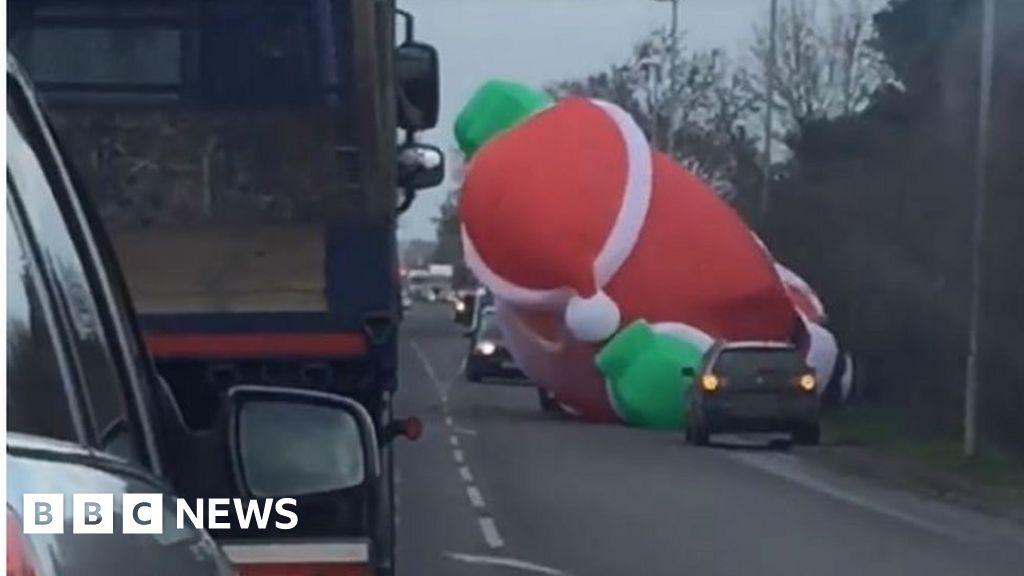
x: 287, y: 442
x: 420, y: 166
x: 417, y: 85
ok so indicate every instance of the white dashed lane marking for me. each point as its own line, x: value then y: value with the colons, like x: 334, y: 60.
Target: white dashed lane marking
x: 488, y: 528
x: 475, y: 497
x: 490, y: 531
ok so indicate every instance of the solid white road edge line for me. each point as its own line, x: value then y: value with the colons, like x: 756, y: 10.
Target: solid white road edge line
x: 490, y: 532
x: 504, y: 562
x: 475, y: 497
x: 786, y: 469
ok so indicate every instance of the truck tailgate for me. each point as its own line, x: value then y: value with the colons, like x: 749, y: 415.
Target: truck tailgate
x: 224, y: 269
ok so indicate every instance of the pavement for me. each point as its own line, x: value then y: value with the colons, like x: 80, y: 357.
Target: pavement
x: 496, y: 487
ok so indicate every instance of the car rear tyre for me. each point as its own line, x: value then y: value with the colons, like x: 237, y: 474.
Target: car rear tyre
x: 809, y: 435
x: 697, y: 433
x: 547, y: 402
x: 474, y: 376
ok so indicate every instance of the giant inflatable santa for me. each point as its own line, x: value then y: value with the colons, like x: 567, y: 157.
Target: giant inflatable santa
x: 612, y: 266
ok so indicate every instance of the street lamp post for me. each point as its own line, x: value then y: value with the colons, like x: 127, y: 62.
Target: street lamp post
x: 673, y: 55
x: 769, y: 99
x: 652, y: 72
x: 986, y: 62
x: 675, y: 17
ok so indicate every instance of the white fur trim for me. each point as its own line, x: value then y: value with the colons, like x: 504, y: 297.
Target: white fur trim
x: 689, y: 334
x: 822, y: 353
x: 592, y: 319
x: 636, y: 197
x: 846, y: 381
x: 790, y: 278
x: 506, y: 290
x: 621, y: 239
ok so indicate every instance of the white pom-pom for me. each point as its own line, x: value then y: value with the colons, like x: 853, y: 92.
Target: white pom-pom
x: 592, y: 319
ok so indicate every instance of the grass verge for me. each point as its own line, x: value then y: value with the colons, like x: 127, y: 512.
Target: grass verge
x: 872, y: 441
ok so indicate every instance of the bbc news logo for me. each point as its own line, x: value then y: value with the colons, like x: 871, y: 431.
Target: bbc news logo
x: 144, y: 513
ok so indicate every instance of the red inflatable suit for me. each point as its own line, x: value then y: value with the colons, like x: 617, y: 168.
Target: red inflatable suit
x: 579, y: 229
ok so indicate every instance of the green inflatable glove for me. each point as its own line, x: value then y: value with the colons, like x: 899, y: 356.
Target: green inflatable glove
x: 643, y: 370
x: 496, y: 107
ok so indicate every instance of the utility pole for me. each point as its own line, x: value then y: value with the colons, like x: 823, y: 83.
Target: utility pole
x: 769, y: 98
x: 674, y: 29
x: 673, y: 56
x: 988, y: 22
x: 675, y: 22
x: 652, y: 72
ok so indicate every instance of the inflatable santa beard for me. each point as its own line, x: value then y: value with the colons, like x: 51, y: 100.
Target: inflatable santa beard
x: 579, y: 229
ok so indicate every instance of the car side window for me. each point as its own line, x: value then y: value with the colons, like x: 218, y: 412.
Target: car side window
x: 37, y: 395
x: 34, y: 174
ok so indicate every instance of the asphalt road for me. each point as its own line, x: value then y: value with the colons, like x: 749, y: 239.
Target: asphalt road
x: 495, y: 487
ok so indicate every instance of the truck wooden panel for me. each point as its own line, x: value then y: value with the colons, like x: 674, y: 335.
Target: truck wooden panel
x: 213, y: 212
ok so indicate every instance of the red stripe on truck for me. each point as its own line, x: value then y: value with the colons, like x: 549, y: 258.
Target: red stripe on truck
x: 269, y: 345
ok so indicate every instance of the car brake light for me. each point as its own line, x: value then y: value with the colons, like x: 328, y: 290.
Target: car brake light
x: 710, y: 382
x: 807, y: 382
x: 19, y: 559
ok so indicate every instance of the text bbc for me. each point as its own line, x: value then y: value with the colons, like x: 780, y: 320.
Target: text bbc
x: 144, y: 513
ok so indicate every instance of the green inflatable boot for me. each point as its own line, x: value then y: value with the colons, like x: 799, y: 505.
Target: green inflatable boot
x: 496, y: 107
x: 643, y: 370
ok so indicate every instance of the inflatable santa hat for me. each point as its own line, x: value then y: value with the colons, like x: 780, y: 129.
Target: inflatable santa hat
x: 606, y: 184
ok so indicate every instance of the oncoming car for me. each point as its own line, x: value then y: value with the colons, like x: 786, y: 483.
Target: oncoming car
x: 753, y: 387
x: 488, y: 356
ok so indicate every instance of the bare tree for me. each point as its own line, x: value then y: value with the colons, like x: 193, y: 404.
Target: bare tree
x: 691, y: 103
x: 826, y: 65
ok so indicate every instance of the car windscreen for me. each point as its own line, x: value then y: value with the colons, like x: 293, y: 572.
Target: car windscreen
x: 489, y: 327
x: 745, y: 362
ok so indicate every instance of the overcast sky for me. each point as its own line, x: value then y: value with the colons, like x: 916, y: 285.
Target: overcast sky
x: 540, y: 41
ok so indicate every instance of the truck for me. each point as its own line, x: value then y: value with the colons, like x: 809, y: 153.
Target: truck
x: 249, y: 160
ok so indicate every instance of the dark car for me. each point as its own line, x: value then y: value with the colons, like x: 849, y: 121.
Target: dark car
x: 80, y: 411
x: 87, y: 413
x: 488, y: 357
x: 463, y: 306
x: 754, y: 387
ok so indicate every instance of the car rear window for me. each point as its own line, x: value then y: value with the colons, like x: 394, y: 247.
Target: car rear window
x: 751, y: 361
